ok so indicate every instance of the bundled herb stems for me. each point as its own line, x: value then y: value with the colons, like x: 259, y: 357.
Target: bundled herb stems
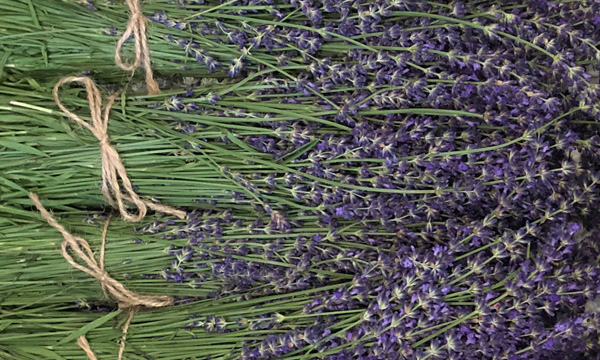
x: 361, y: 180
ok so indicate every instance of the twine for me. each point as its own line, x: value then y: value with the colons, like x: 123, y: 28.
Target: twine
x: 85, y: 345
x: 81, y: 248
x: 126, y: 298
x: 102, y: 247
x: 112, y: 167
x: 137, y: 27
x: 124, y: 330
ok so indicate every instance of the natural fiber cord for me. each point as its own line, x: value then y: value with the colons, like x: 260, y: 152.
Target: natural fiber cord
x: 81, y: 248
x: 112, y: 167
x: 85, y: 345
x: 127, y: 299
x: 137, y: 27
x: 112, y: 170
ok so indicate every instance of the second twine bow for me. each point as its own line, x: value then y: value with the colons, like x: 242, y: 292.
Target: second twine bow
x: 127, y: 299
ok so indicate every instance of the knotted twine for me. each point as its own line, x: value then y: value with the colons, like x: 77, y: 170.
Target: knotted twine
x: 127, y: 299
x: 112, y: 170
x: 112, y: 167
x: 137, y: 27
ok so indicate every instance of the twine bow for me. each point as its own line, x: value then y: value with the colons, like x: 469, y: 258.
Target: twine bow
x: 127, y: 299
x: 112, y: 167
x: 137, y: 27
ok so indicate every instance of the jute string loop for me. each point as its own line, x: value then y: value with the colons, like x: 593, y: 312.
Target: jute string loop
x: 112, y: 167
x: 137, y: 27
x: 127, y: 299
x: 81, y: 248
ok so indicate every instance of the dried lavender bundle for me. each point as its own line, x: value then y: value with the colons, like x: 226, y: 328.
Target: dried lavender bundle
x: 483, y: 255
x: 496, y: 81
x: 386, y: 180
x: 264, y: 295
x: 203, y: 38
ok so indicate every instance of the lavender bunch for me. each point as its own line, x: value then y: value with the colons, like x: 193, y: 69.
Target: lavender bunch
x: 227, y: 41
x: 533, y: 286
x: 381, y: 180
x: 299, y: 294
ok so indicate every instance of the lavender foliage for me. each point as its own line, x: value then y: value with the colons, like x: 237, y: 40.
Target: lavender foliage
x: 435, y: 194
